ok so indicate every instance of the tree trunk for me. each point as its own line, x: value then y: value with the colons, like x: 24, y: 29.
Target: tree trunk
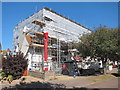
x: 104, y: 65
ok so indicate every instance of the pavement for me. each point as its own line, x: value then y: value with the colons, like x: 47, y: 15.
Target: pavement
x: 73, y: 82
x: 96, y: 82
x: 110, y: 83
x: 100, y: 81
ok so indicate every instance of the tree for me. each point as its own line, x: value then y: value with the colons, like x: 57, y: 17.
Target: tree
x: 103, y: 42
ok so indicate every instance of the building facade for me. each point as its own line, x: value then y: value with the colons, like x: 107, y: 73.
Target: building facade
x: 45, y: 39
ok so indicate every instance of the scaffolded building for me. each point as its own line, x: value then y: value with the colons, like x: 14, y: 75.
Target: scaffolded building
x: 45, y: 38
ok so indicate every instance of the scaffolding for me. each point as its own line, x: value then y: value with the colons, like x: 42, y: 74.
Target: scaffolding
x: 57, y: 26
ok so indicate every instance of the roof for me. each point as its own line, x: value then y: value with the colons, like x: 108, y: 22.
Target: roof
x: 8, y: 50
x: 65, y: 18
x: 5, y: 51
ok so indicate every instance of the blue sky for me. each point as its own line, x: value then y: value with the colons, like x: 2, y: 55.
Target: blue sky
x: 88, y: 14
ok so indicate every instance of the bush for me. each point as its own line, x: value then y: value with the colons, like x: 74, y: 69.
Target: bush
x: 14, y: 65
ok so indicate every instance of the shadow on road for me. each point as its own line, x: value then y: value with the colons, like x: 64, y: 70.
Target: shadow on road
x: 115, y: 74
x: 46, y: 85
x: 35, y: 85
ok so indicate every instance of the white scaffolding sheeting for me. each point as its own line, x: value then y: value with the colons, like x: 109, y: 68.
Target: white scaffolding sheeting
x: 25, y: 46
x: 64, y: 27
x: 56, y: 25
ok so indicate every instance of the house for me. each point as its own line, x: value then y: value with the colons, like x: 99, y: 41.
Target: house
x: 5, y: 52
x: 45, y: 39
